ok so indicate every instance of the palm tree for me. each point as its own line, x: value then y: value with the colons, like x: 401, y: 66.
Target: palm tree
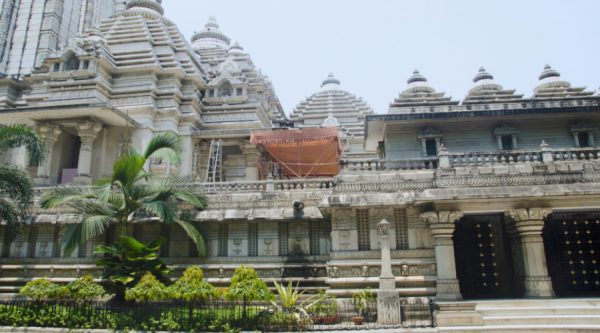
x: 132, y: 194
x: 16, y: 187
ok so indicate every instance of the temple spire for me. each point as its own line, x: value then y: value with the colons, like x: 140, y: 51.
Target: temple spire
x: 154, y: 5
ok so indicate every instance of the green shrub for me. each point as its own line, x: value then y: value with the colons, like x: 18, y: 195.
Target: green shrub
x: 247, y: 286
x: 192, y: 287
x: 42, y: 289
x: 84, y: 289
x: 147, y: 290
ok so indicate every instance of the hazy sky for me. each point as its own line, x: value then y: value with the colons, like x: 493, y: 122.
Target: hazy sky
x: 372, y: 46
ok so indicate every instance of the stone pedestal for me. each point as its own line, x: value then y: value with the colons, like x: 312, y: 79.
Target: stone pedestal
x: 442, y: 227
x: 87, y: 131
x: 457, y: 314
x: 50, y: 133
x: 529, y: 224
x: 388, y: 300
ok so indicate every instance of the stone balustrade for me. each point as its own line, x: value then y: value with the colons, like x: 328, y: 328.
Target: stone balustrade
x: 501, y: 157
x: 426, y: 163
x: 266, y: 185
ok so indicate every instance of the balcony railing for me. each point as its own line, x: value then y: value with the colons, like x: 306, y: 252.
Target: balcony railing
x: 381, y: 165
x: 267, y: 185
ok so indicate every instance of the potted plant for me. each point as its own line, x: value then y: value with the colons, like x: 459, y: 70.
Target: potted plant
x: 361, y: 300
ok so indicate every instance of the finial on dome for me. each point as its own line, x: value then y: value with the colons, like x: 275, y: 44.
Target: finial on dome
x: 154, y: 5
x: 236, y: 48
x: 212, y: 23
x: 548, y: 72
x: 330, y: 80
x: 482, y: 74
x: 416, y: 77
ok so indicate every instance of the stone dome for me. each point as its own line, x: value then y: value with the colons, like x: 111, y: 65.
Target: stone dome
x: 210, y: 36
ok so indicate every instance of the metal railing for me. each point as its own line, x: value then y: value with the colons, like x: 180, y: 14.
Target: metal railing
x: 214, y: 315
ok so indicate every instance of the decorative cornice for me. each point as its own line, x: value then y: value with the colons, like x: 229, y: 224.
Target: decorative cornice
x: 436, y: 217
x: 526, y: 214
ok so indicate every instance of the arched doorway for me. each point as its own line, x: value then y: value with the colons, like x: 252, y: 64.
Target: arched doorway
x: 484, y: 259
x: 572, y: 246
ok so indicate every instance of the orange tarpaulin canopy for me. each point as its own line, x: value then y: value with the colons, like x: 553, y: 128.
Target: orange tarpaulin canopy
x: 307, y: 152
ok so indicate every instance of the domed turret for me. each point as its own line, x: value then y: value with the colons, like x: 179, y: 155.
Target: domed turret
x: 418, y: 92
x: 330, y: 83
x: 236, y: 49
x: 154, y: 5
x: 332, y: 106
x: 210, y: 36
x: 485, y: 90
x: 551, y: 85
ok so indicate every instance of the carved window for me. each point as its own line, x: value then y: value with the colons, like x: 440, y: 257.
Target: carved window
x: 239, y: 91
x: 283, y: 233
x: 211, y: 93
x: 56, y: 67
x: 431, y: 147
x: 583, y: 134
x: 313, y: 237
x: 584, y: 139
x: 71, y: 63
x: 252, y: 239
x: 225, y: 90
x: 223, y: 239
x: 85, y: 64
x: 362, y: 226
x: 507, y: 142
x: 401, y: 227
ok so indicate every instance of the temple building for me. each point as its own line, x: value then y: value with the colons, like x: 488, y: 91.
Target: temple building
x: 492, y: 196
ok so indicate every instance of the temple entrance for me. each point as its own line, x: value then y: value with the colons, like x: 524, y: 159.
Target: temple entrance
x: 572, y: 244
x: 483, y: 258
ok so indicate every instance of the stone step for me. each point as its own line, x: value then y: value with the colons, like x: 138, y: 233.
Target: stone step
x: 549, y: 311
x: 580, y: 328
x: 541, y: 320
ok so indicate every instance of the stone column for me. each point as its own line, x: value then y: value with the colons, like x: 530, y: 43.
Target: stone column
x: 499, y: 141
x: 252, y: 157
x: 514, y: 141
x: 49, y: 133
x: 187, y: 153
x: 576, y: 138
x: 388, y: 300
x: 87, y: 132
x: 529, y: 224
x: 442, y: 227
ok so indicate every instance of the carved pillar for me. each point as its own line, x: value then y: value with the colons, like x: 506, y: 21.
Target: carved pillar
x: 87, y: 132
x: 442, y: 227
x: 187, y: 153
x: 576, y: 138
x: 388, y: 300
x: 252, y: 157
x: 48, y: 132
x: 514, y: 141
x: 529, y: 224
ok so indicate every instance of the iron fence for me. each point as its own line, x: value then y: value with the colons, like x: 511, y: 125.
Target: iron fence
x: 206, y: 316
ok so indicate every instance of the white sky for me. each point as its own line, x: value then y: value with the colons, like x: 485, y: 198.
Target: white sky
x: 372, y: 46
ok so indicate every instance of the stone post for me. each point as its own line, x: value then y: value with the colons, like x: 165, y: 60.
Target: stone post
x: 388, y: 300
x: 444, y: 157
x: 529, y: 224
x: 442, y: 227
x: 547, y: 156
x: 49, y: 133
x: 87, y: 132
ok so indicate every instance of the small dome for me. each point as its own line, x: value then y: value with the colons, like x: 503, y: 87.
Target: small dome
x: 482, y: 75
x: 548, y: 72
x: 416, y: 77
x: 330, y: 121
x: 210, y: 36
x: 154, y: 5
x: 484, y: 81
x: 417, y: 83
x: 236, y: 49
x: 550, y: 79
x: 330, y: 83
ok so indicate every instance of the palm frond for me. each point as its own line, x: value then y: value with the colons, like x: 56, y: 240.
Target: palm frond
x: 14, y: 136
x: 12, y: 215
x: 57, y: 196
x: 16, y: 184
x: 79, y: 233
x: 127, y: 168
x: 195, y: 236
x: 165, y: 211
x: 166, y: 146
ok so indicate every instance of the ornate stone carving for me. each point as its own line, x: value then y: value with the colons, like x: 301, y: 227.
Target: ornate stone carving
x: 441, y: 217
